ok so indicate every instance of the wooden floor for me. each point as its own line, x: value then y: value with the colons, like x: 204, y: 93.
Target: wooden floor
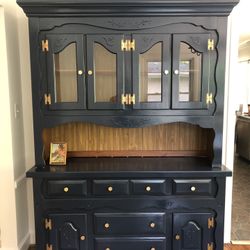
x: 236, y: 247
x: 227, y: 247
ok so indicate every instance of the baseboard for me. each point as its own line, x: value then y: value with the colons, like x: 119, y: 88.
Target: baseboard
x: 25, y: 242
x: 32, y: 247
x: 240, y: 242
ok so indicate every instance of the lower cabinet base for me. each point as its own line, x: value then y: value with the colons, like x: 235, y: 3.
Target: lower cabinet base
x: 137, y: 213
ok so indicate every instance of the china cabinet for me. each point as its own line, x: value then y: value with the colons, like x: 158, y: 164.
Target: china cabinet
x: 136, y: 90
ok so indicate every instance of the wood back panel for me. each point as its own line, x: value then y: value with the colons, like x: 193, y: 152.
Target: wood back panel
x: 91, y: 140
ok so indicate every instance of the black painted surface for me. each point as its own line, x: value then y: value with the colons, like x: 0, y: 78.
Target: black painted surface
x: 130, y: 219
x: 123, y: 167
x: 130, y: 224
x: 127, y: 7
x: 194, y: 187
x: 88, y: 202
x: 193, y: 231
x: 153, y: 29
x: 67, y: 230
x: 68, y: 188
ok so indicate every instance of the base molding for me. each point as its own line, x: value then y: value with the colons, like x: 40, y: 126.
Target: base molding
x: 240, y: 242
x: 25, y: 242
x: 32, y: 247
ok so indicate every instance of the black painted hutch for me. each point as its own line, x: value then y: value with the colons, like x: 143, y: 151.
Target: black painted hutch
x: 136, y: 90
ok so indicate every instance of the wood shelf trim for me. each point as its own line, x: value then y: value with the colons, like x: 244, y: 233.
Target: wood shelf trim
x: 138, y: 153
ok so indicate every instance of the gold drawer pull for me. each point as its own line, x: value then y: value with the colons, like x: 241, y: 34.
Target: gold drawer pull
x: 148, y: 188
x: 90, y: 72
x: 66, y: 189
x: 193, y: 188
x: 110, y: 189
x: 152, y: 225
x: 106, y: 225
x: 177, y: 237
x: 82, y: 237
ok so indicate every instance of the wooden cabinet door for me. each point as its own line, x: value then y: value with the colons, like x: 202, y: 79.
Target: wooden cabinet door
x: 193, y: 71
x: 192, y: 231
x: 151, y: 71
x: 68, y: 231
x: 105, y: 71
x: 65, y: 72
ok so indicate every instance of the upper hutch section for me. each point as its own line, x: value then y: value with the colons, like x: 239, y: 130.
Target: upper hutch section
x: 128, y: 63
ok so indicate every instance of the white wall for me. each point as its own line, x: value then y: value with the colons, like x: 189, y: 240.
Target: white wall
x: 234, y: 92
x: 14, y: 217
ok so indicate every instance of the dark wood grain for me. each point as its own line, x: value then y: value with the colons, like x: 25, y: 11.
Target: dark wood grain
x: 91, y: 140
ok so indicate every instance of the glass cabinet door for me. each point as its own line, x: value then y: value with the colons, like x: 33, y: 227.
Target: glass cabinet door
x: 105, y: 71
x: 65, y: 67
x: 192, y: 71
x: 151, y: 71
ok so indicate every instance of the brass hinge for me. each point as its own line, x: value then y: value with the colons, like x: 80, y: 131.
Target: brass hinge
x: 124, y: 99
x: 47, y: 99
x: 209, y: 99
x: 128, y: 99
x: 210, y: 246
x: 210, y: 223
x: 49, y: 247
x: 45, y: 45
x: 128, y: 45
x: 210, y: 44
x: 131, y: 99
x: 48, y: 224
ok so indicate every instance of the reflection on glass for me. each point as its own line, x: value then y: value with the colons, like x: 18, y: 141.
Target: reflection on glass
x: 104, y: 74
x: 150, y: 67
x: 65, y: 75
x: 189, y: 74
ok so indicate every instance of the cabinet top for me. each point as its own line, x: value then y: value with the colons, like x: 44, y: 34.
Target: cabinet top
x: 48, y: 8
x: 148, y: 167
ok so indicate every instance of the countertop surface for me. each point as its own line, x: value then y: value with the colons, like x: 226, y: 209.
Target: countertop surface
x: 131, y: 167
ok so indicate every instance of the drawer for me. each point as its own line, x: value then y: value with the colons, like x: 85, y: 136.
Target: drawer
x: 67, y: 188
x: 149, y: 187
x: 129, y: 223
x: 194, y: 186
x: 152, y: 243
x: 110, y: 187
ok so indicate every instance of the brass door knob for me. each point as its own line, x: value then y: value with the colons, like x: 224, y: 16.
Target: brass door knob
x: 80, y: 72
x: 152, y: 225
x: 66, y: 189
x: 193, y: 188
x: 148, y: 188
x: 82, y: 237
x: 166, y: 72
x: 110, y: 189
x: 177, y: 237
x: 90, y: 72
x: 106, y: 225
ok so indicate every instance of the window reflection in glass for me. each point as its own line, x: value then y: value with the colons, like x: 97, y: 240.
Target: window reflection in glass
x: 65, y: 75
x: 104, y: 74
x: 189, y: 74
x: 150, y: 77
